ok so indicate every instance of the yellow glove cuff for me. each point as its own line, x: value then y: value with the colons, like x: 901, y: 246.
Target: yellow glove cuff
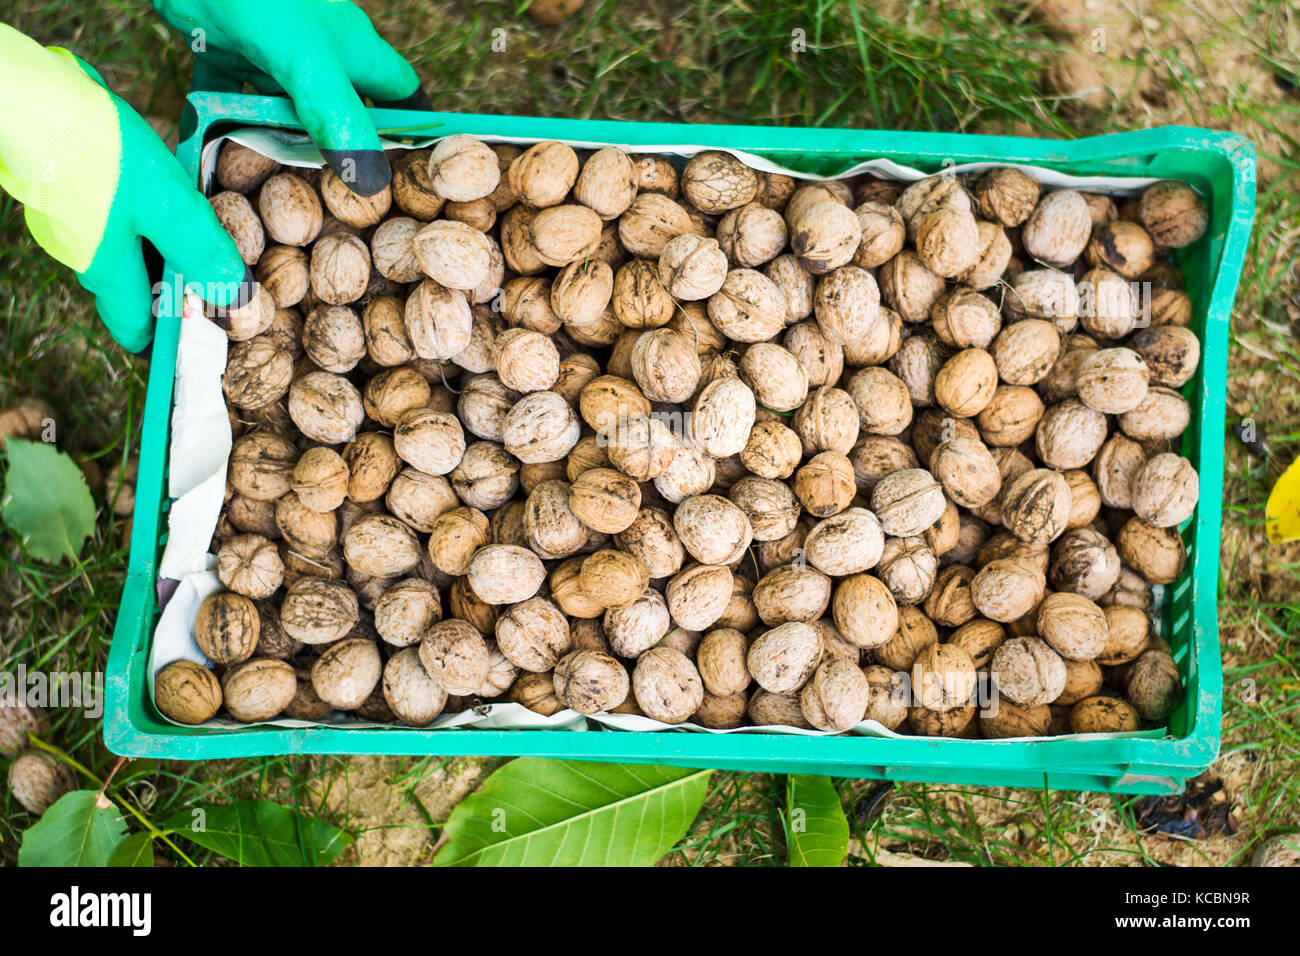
x: 60, y: 146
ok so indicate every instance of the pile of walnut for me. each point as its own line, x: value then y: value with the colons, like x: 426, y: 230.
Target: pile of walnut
x: 932, y: 444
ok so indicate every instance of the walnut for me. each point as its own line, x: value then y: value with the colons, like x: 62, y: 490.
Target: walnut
x: 590, y: 682
x: 257, y: 373
x: 1036, y: 506
x: 876, y: 456
x: 692, y: 471
x: 943, y: 677
x: 766, y: 709
x: 537, y: 693
x: 1011, y: 417
x: 1058, y: 229
x: 641, y: 447
x: 1116, y: 466
x: 413, y: 191
x: 372, y: 464
x: 715, y: 181
x: 667, y: 685
x: 653, y: 538
x: 795, y: 283
x: 439, y: 321
x: 967, y: 471
x: 1108, y: 304
x: 1113, y: 381
x: 947, y: 240
x: 751, y: 235
x: 1158, y: 554
x: 965, y: 319
x: 541, y: 427
x: 291, y: 211
x: 909, y: 287
x: 847, y: 304
x: 782, y: 659
x: 828, y: 421
x: 773, y: 450
x: 1006, y: 589
x: 949, y: 602
x: 487, y: 476
x: 258, y: 690
x: 250, y: 565
x: 980, y: 638
x: 411, y: 692
x: 564, y: 234
x: 748, y: 307
x: 392, y: 250
x: 770, y: 506
x: 406, y: 610
x: 1013, y: 720
x: 907, y: 567
x: 1165, y: 491
x: 346, y: 674
x: 847, y: 543
x: 724, y: 414
x: 825, y: 485
x: 1162, y: 416
x: 887, y: 696
x: 907, y: 502
x: 1025, y: 351
x: 721, y: 662
x: 250, y: 319
x: 915, y: 633
x: 712, y: 529
x: 462, y: 168
x: 1085, y: 563
x: 455, y: 655
x: 1074, y: 626
x: 633, y: 629
x: 1046, y: 294
x: 1173, y: 213
x: 380, y: 546
x: 1069, y: 434
x: 865, y: 611
x: 1171, y: 354
x: 284, y: 272
x: 430, y: 440
x: 384, y: 323
x: 187, y: 692
x: 1027, y: 671
x: 824, y: 235
x: 1128, y: 634
x: 793, y: 593
x: 722, y: 713
x: 1154, y: 687
x: 1121, y: 246
x: 227, y: 628
x: 452, y: 254
x: 242, y: 169
x: 1102, y: 715
x: 1006, y: 195
x: 966, y: 383
x: 455, y: 537
x: 613, y: 579
x: 236, y: 215
x: 318, y: 610
x: 326, y: 407
x: 505, y: 574
x: 1082, y: 679
x: 836, y: 697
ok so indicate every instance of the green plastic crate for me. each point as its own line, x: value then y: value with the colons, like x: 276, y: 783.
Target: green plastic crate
x: 1221, y: 165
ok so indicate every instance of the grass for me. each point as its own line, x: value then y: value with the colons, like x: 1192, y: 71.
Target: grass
x: 905, y: 64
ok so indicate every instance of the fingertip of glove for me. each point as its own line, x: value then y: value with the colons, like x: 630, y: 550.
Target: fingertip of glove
x: 364, y: 171
x: 419, y: 100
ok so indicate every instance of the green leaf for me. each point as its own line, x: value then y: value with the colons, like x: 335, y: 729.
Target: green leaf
x: 816, y: 830
x: 261, y: 833
x: 136, y: 850
x: 46, y: 501
x: 537, y: 812
x: 76, y: 831
x: 137, y: 770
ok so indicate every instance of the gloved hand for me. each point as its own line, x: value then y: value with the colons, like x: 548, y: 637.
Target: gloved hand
x: 322, y: 53
x: 95, y: 178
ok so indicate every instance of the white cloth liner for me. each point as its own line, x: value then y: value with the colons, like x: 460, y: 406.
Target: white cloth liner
x: 201, y: 443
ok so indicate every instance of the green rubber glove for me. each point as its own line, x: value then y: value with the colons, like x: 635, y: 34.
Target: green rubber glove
x: 322, y: 53
x: 94, y: 179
